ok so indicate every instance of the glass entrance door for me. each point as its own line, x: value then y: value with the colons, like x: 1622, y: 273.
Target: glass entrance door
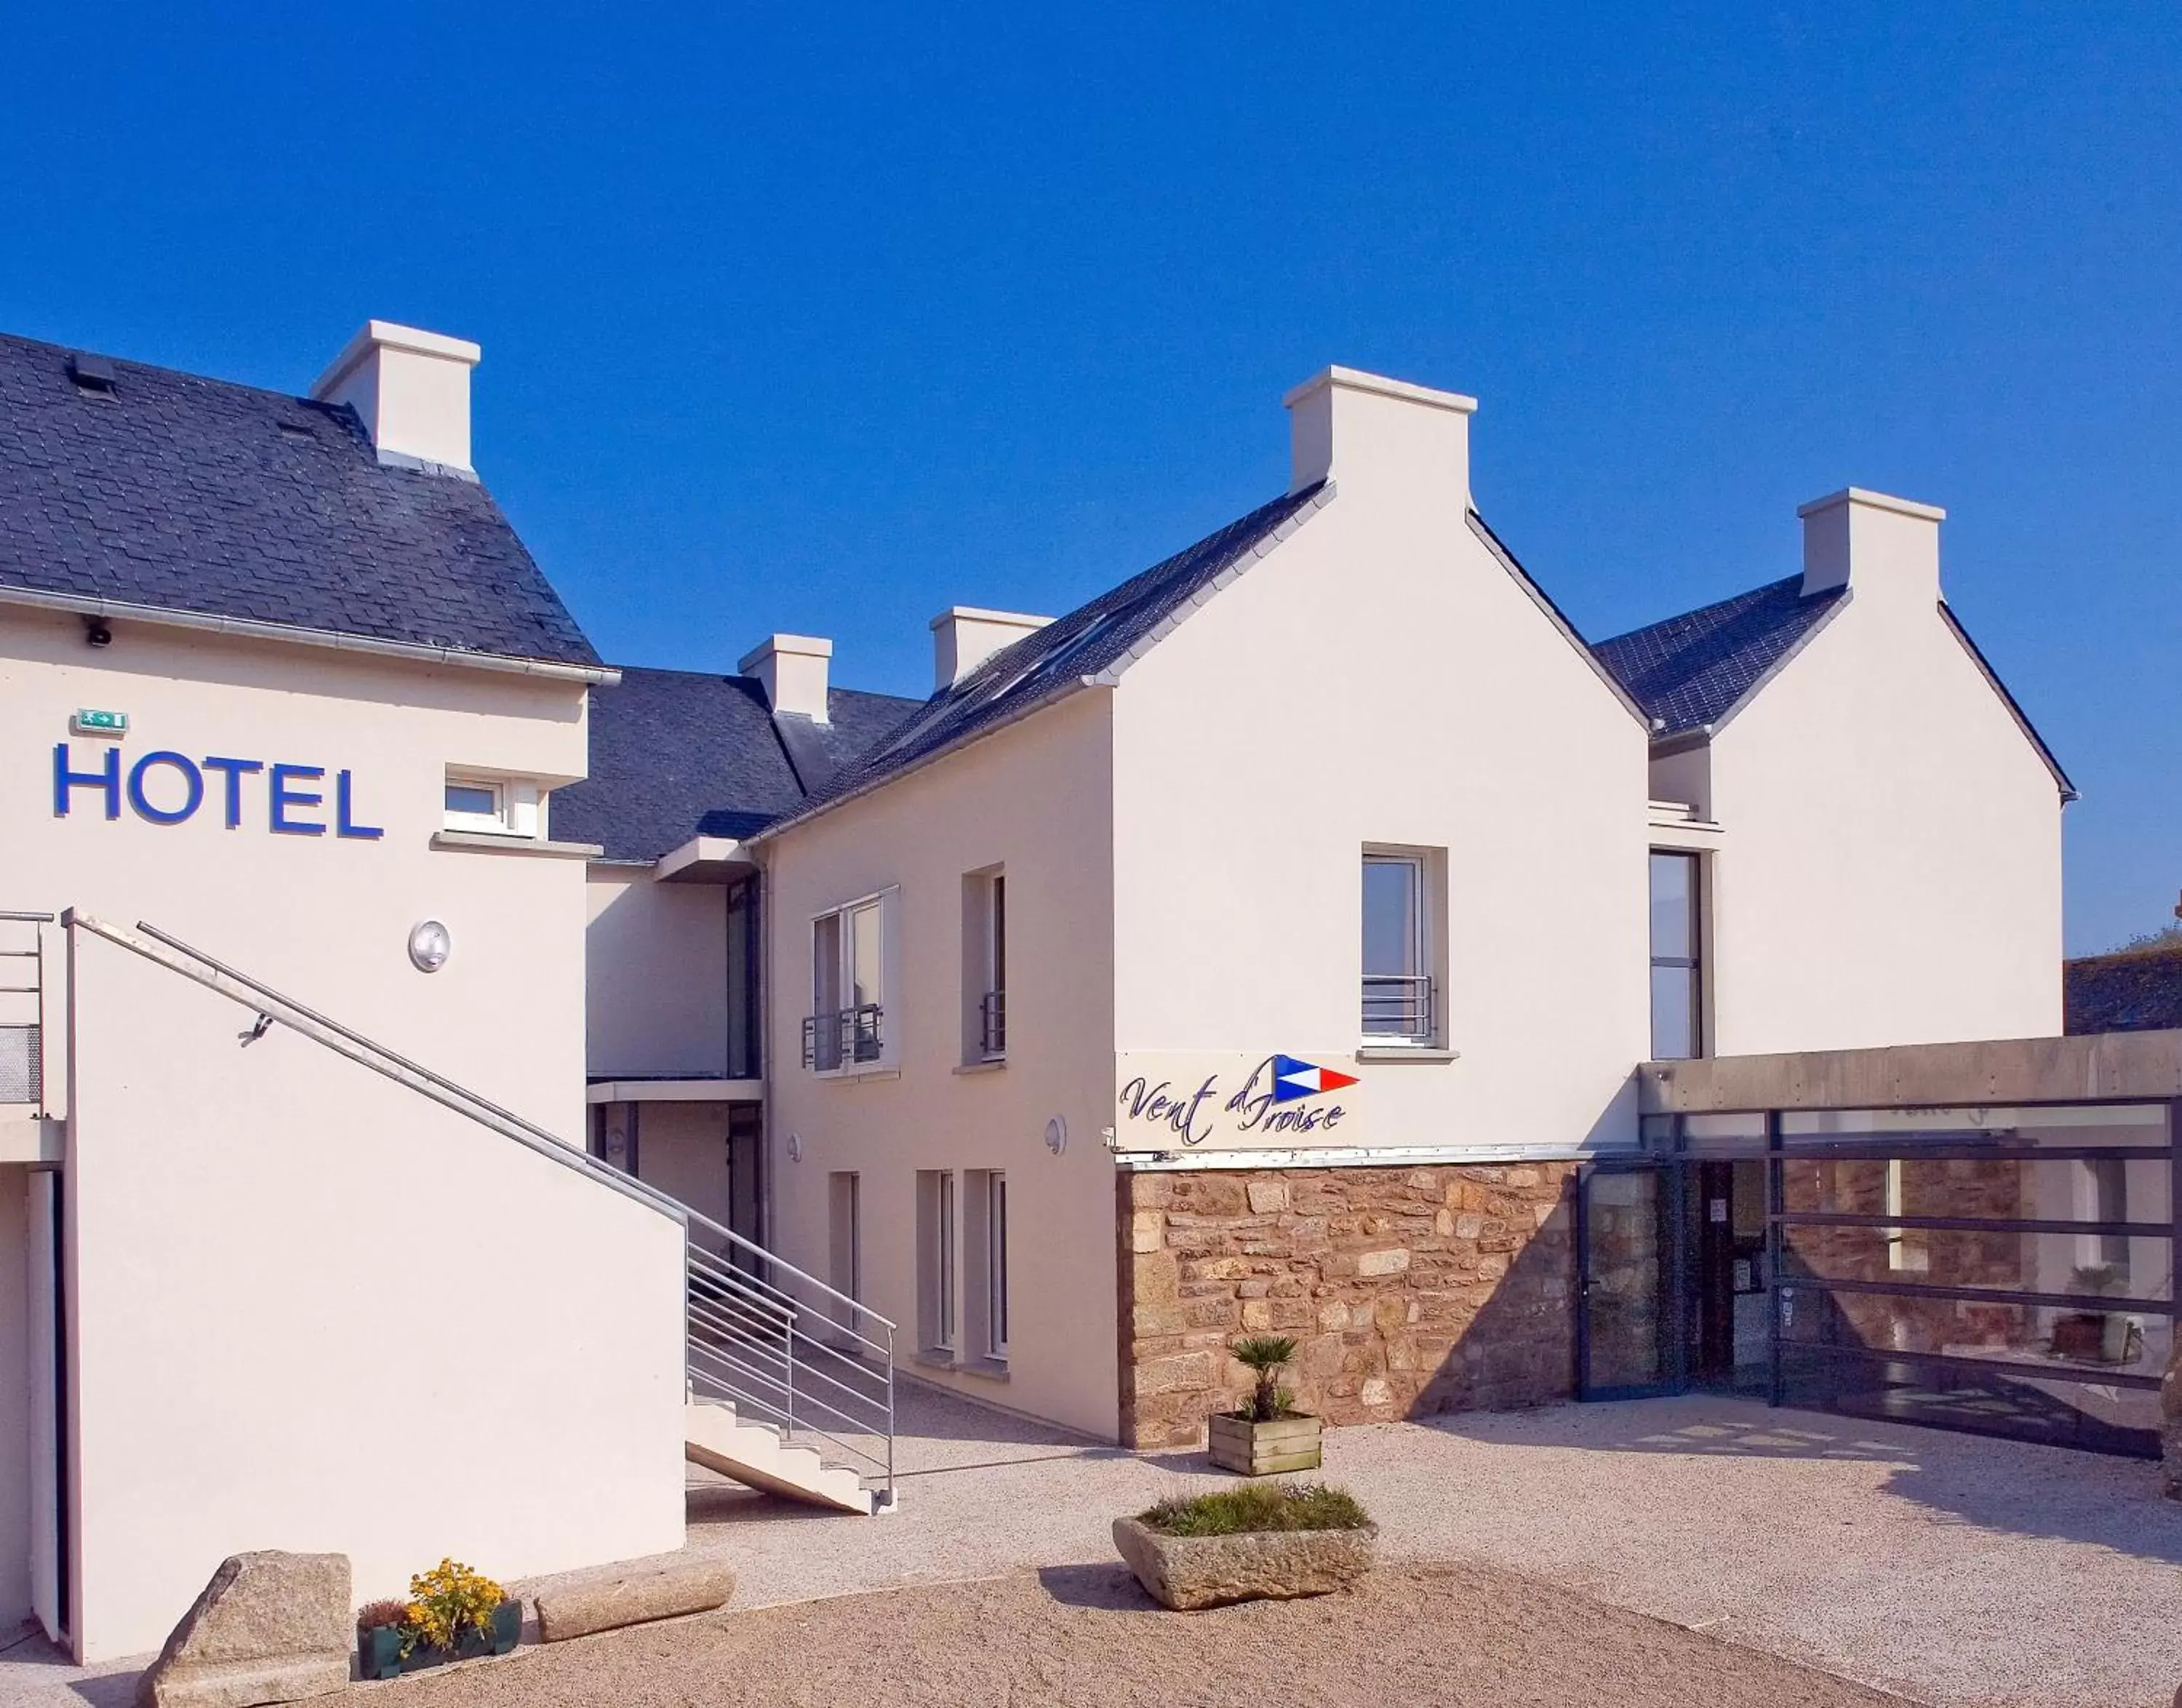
x: 1624, y: 1245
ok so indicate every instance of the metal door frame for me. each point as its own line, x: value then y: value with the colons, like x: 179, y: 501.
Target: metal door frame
x: 1673, y: 1281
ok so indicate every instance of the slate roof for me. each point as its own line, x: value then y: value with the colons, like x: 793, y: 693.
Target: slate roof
x: 1689, y: 671
x: 1091, y: 638
x: 195, y: 495
x: 676, y: 754
x: 2136, y: 990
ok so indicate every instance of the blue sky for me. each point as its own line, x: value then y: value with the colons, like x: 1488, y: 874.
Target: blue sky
x: 822, y: 318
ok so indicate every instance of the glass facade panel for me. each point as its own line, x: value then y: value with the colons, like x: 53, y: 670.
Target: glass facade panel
x: 1624, y: 1279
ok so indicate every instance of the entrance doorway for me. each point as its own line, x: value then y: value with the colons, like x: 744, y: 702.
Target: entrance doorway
x: 1676, y: 1279
x: 2005, y: 1270
x: 1731, y: 1337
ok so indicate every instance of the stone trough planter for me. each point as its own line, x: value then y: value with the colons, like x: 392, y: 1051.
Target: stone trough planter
x: 1187, y: 1573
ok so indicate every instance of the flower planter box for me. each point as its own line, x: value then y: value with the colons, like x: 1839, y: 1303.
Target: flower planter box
x: 1259, y: 1449
x: 378, y: 1650
x: 1187, y: 1573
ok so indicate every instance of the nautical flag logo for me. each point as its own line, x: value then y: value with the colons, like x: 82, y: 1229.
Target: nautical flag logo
x: 1293, y: 1079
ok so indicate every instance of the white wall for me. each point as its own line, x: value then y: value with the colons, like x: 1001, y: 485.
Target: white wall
x: 15, y: 1456
x: 1034, y: 799
x: 1380, y: 678
x: 1889, y: 866
x: 312, y: 1312
x: 682, y: 1149
x: 657, y: 975
x: 266, y: 1242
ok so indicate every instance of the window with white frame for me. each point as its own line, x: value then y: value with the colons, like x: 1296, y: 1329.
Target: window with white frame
x: 1401, y: 982
x: 938, y: 1321
x: 985, y: 1247
x: 2102, y: 1195
x: 985, y: 966
x: 846, y: 1025
x: 493, y: 806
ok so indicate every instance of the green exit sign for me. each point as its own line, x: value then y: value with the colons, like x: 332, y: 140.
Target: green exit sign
x: 88, y: 721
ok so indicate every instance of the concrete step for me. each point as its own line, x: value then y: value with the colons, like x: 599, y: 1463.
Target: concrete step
x: 753, y: 1453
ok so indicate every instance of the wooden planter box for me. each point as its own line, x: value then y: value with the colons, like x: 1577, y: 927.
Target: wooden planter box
x: 378, y: 1651
x: 1259, y: 1449
x: 1186, y: 1573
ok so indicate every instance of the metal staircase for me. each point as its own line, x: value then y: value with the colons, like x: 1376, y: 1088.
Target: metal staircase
x: 790, y: 1382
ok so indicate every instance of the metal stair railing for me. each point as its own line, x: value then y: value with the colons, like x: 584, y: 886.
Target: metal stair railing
x: 779, y: 1344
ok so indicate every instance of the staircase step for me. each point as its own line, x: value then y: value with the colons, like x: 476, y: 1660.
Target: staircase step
x: 753, y: 1454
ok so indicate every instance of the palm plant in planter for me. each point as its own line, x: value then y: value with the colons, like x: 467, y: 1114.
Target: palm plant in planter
x: 1268, y: 1434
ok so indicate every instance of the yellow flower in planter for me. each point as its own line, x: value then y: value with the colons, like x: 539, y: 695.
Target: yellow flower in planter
x: 449, y: 1599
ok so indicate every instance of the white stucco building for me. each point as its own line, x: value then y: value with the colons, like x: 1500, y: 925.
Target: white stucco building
x: 430, y: 1039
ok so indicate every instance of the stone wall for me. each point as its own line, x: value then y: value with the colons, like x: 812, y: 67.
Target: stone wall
x: 1408, y: 1290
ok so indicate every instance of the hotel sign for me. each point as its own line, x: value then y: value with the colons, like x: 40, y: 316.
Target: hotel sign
x: 163, y: 787
x: 1170, y: 1100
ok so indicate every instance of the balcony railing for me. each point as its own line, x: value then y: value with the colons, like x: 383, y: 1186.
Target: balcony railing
x: 1398, y: 1006
x: 993, y: 1025
x: 846, y: 1036
x: 22, y: 1008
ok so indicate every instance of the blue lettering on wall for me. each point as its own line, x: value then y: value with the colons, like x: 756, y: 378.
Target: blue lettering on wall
x: 345, y: 822
x: 285, y: 798
x: 192, y: 788
x: 107, y: 778
x: 169, y: 788
x: 235, y: 770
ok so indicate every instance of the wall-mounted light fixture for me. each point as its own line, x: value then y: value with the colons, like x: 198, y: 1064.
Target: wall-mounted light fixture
x: 1057, y: 1134
x: 95, y: 633
x: 430, y: 942
x: 795, y: 1147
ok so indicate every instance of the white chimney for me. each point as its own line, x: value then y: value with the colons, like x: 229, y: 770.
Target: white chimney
x: 1350, y: 427
x: 963, y: 637
x: 792, y: 670
x: 1876, y: 545
x: 413, y: 390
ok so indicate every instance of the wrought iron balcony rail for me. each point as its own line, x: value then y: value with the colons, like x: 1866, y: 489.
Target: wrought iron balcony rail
x: 1398, y: 1006
x: 844, y: 1037
x: 993, y: 1025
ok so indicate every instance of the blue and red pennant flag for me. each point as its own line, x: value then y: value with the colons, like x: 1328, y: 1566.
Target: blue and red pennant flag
x: 1293, y: 1079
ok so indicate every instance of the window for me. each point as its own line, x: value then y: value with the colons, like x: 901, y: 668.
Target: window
x: 844, y: 1027
x: 985, y: 966
x: 1399, y: 949
x: 1906, y: 1247
x: 996, y: 1264
x: 845, y: 1236
x: 985, y: 1202
x: 938, y: 1318
x: 2102, y: 1195
x: 1677, y: 976
x: 743, y: 1046
x: 495, y: 806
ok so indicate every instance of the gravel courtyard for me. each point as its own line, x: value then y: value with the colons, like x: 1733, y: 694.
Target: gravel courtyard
x: 1945, y: 1568
x: 1086, y: 1637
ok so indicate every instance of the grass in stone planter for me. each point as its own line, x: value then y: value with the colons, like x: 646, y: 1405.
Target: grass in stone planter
x: 1253, y: 1507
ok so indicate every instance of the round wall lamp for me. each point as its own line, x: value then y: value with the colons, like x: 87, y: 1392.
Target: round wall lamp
x: 795, y: 1147
x: 430, y: 942
x: 1057, y: 1134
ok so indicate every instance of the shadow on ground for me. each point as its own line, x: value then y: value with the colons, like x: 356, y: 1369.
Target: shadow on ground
x: 1106, y: 1585
x: 2011, y: 1488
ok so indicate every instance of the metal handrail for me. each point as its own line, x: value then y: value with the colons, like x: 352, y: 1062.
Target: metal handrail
x: 1398, y: 1005
x: 833, y: 1040
x: 993, y: 1024
x: 776, y: 1310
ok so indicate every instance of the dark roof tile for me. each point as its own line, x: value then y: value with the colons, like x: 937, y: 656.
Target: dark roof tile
x: 1690, y: 671
x: 186, y: 494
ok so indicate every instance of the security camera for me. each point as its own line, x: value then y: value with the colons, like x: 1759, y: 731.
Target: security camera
x: 96, y: 633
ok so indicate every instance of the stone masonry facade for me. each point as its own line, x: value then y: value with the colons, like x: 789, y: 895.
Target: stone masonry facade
x: 1408, y: 1290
